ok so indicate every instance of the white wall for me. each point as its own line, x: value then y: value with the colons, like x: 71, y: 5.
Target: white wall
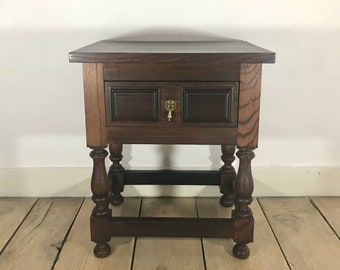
x: 41, y: 99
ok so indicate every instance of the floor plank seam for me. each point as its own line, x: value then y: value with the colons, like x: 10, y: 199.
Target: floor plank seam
x: 208, y: 254
x: 18, y: 227
x: 60, y: 248
x: 324, y: 217
x: 136, y: 239
x: 202, y: 245
x: 140, y: 207
x: 272, y: 230
x: 133, y: 253
x: 43, y: 218
x: 203, y: 255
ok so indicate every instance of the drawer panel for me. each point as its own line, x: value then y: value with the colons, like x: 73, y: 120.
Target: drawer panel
x: 203, y: 106
x: 135, y: 103
x: 196, y: 104
x: 210, y: 102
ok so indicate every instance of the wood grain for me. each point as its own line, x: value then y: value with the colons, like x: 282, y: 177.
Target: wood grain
x: 168, y: 253
x: 77, y: 252
x: 330, y: 208
x: 172, y: 135
x: 249, y: 105
x: 12, y: 212
x: 305, y: 238
x: 171, y: 72
x: 231, y: 51
x: 304, y: 235
x: 94, y: 105
x: 37, y: 242
x: 265, y: 252
x: 198, y: 104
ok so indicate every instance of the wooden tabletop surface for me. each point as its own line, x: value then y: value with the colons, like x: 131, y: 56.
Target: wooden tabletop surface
x: 172, y: 51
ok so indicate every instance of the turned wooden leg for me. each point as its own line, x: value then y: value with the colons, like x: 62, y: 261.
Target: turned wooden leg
x: 242, y: 215
x: 116, y: 174
x: 228, y: 175
x: 101, y: 213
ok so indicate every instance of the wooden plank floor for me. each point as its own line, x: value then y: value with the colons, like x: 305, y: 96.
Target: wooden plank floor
x: 53, y: 233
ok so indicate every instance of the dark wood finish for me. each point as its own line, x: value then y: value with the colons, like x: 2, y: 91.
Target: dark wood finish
x: 101, y: 212
x: 241, y: 251
x: 172, y: 135
x: 242, y: 215
x: 228, y: 175
x: 216, y: 52
x: 197, y: 104
x: 116, y: 174
x: 125, y: 105
x: 212, y: 104
x: 131, y: 103
x: 216, y: 88
x: 163, y: 226
x: 94, y: 105
x: 244, y: 183
x: 171, y: 177
x: 171, y: 72
x: 249, y: 105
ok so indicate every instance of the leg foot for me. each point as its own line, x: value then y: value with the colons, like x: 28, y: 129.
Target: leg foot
x: 242, y: 215
x: 227, y: 200
x: 101, y: 211
x: 241, y: 251
x: 117, y: 199
x: 102, y: 250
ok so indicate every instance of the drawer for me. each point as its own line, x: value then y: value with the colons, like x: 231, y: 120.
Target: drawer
x: 196, y: 103
x: 210, y: 103
x: 134, y: 104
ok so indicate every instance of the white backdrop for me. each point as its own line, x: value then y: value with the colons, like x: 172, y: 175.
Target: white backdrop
x: 41, y: 99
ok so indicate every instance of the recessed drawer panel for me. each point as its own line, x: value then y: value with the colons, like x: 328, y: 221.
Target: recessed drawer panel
x: 131, y: 103
x: 210, y: 103
x: 195, y: 104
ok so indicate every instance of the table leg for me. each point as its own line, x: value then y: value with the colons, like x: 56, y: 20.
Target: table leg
x: 228, y: 175
x: 116, y: 174
x: 101, y: 213
x: 242, y: 215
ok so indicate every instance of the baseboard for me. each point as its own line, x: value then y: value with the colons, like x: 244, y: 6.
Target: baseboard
x: 75, y: 182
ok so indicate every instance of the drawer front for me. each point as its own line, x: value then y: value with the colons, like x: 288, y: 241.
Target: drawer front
x: 134, y: 105
x: 210, y: 103
x: 131, y: 103
x: 196, y: 104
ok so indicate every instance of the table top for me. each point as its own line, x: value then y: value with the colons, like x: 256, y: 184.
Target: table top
x: 233, y: 51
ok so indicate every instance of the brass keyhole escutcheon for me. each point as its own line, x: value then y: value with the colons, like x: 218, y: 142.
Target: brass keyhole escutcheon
x: 170, y: 106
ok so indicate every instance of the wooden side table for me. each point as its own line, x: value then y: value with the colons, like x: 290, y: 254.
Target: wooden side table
x: 172, y: 93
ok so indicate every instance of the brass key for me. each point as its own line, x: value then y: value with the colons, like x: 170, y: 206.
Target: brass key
x: 170, y: 106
